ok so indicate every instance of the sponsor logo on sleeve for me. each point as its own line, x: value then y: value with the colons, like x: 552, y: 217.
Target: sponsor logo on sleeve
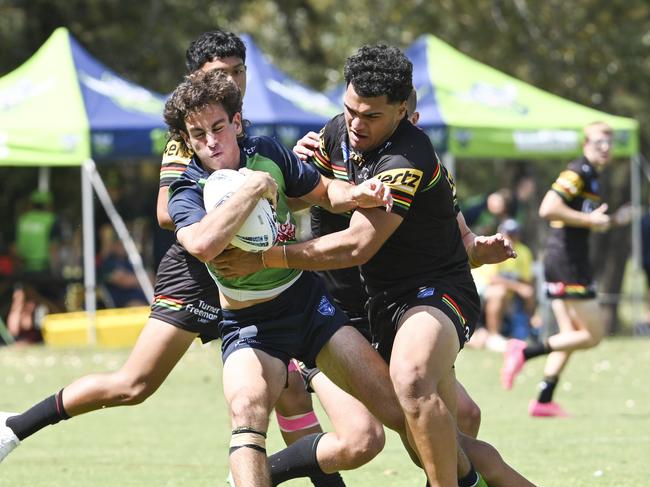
x: 406, y: 180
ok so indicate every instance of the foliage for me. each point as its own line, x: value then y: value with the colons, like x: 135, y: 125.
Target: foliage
x: 593, y: 52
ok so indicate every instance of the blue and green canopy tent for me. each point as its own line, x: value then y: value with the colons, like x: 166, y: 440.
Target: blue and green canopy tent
x: 64, y: 108
x: 472, y: 110
x: 279, y: 106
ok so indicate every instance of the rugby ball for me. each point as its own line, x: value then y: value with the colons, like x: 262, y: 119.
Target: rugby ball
x: 260, y: 230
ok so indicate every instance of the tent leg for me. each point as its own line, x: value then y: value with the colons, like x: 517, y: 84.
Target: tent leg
x: 636, y: 174
x: 120, y: 227
x: 449, y: 161
x: 88, y: 228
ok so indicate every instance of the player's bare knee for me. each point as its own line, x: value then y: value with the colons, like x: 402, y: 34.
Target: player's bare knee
x: 410, y: 384
x: 594, y: 339
x: 417, y: 400
x: 248, y: 410
x: 130, y: 390
x: 360, y: 446
x: 469, y: 417
x: 294, y: 399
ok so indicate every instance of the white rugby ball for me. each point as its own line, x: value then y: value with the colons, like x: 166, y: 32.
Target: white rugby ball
x: 260, y: 230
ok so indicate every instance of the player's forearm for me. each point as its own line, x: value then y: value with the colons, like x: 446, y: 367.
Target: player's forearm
x: 210, y: 236
x: 334, y: 251
x: 553, y: 208
x: 340, y: 197
x: 162, y: 212
x: 570, y: 217
x: 467, y: 236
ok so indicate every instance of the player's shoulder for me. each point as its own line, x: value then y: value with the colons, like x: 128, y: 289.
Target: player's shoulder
x: 259, y: 143
x: 335, y: 128
x: 411, y: 147
x: 581, y: 167
x: 195, y: 171
x: 266, y: 147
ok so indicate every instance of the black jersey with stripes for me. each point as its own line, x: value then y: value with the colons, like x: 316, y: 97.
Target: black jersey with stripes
x: 578, y: 186
x: 344, y: 285
x: 567, y: 266
x: 428, y: 242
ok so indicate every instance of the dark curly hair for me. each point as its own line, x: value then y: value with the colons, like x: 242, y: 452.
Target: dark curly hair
x: 197, y: 91
x: 380, y: 70
x: 211, y: 45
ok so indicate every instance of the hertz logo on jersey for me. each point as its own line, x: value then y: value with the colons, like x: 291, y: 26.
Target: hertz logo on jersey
x: 405, y: 180
x: 176, y: 152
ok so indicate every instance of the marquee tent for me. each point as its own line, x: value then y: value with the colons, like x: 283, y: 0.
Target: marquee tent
x: 279, y: 106
x: 64, y: 108
x: 472, y: 110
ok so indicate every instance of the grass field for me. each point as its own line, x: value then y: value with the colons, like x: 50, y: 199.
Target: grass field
x: 179, y: 437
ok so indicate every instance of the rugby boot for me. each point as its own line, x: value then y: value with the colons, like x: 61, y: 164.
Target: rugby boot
x: 513, y: 362
x: 546, y: 409
x: 8, y: 439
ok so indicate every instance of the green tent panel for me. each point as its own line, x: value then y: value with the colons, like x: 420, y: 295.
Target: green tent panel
x: 486, y: 113
x: 43, y: 121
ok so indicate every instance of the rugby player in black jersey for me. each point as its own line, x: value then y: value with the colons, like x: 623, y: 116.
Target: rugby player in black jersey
x: 423, y: 302
x: 346, y: 285
x: 574, y: 208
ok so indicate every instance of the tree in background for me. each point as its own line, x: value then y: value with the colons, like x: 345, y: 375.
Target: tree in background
x: 594, y: 52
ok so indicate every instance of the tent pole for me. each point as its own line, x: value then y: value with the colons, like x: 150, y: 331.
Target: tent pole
x: 637, y: 212
x: 449, y: 161
x: 122, y: 231
x: 88, y: 227
x: 44, y: 178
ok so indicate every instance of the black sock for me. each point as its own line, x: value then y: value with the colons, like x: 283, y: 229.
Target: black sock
x: 327, y: 480
x: 48, y: 411
x: 470, y: 479
x: 536, y: 350
x: 297, y: 460
x: 547, y: 387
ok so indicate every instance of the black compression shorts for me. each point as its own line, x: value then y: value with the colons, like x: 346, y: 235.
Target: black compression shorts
x: 185, y: 295
x: 568, y: 278
x: 460, y: 302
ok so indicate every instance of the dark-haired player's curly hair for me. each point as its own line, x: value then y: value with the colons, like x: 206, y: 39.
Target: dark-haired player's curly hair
x: 211, y: 45
x: 380, y: 70
x: 197, y: 91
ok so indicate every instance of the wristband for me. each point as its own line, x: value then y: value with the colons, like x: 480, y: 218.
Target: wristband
x: 473, y: 264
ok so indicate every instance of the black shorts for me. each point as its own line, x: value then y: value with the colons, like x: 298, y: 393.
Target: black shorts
x: 185, y: 295
x: 361, y: 323
x: 568, y: 278
x: 458, y: 301
x: 295, y: 324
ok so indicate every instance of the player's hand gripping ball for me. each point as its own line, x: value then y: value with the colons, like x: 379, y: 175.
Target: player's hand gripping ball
x: 260, y: 230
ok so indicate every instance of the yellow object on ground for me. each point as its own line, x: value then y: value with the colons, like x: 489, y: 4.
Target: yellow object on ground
x: 118, y: 327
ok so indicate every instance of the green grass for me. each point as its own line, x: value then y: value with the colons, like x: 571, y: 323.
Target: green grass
x: 179, y: 437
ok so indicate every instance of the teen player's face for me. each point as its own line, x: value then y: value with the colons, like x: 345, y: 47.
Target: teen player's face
x: 370, y: 121
x: 233, y: 66
x: 598, y: 147
x: 213, y: 138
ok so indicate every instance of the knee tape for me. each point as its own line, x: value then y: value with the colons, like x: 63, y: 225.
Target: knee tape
x: 246, y: 437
